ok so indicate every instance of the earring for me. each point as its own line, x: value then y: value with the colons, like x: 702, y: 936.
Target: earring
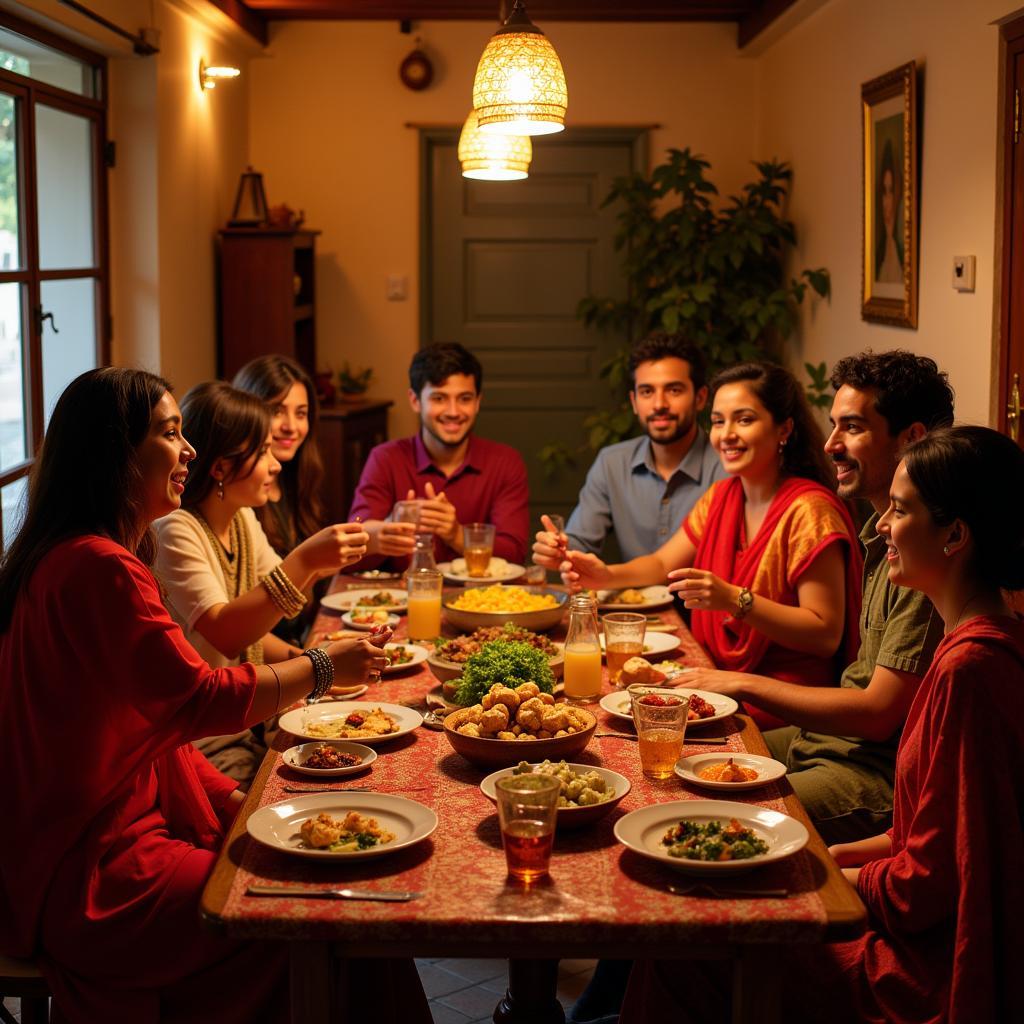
x: 220, y: 489
x: 782, y: 446
x: 945, y: 549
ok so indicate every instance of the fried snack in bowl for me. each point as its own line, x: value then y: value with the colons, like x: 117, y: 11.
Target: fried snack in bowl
x: 496, y: 735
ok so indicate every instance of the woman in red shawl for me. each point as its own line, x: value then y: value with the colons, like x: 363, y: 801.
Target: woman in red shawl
x: 111, y: 819
x: 944, y: 887
x: 768, y: 559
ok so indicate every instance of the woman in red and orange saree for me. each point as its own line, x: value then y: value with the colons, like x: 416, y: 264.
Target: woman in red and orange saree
x: 943, y: 887
x: 768, y: 560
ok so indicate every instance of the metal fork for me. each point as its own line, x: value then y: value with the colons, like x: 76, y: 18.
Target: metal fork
x: 353, y: 789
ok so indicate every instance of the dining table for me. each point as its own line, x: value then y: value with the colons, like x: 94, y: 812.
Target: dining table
x: 601, y: 900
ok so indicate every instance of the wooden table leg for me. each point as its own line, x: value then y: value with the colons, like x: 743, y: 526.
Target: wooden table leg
x: 757, y: 985
x: 531, y: 997
x: 311, y: 979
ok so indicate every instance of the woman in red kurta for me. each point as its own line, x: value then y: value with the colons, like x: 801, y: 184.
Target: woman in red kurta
x: 944, y: 887
x: 111, y: 819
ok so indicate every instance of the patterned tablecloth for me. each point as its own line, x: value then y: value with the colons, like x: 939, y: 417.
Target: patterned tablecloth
x: 600, y: 895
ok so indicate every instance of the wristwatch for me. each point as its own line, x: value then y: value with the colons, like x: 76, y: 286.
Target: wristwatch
x: 744, y: 603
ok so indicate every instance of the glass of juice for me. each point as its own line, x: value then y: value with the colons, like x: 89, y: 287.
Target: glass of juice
x: 477, y: 547
x: 424, y: 604
x: 660, y: 720
x: 623, y: 639
x: 581, y: 676
x: 527, y: 808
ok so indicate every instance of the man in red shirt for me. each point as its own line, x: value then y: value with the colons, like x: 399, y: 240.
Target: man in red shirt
x: 457, y: 477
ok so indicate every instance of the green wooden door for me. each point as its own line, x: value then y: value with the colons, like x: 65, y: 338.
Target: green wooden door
x: 504, y: 266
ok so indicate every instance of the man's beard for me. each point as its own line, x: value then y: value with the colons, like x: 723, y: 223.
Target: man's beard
x: 683, y: 426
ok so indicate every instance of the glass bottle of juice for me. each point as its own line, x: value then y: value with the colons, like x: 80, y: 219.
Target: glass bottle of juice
x: 422, y: 554
x: 582, y: 673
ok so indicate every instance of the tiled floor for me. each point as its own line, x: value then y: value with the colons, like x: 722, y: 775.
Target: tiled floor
x: 467, y: 991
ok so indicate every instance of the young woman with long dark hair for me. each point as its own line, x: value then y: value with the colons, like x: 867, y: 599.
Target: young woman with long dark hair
x: 768, y: 559
x: 113, y: 820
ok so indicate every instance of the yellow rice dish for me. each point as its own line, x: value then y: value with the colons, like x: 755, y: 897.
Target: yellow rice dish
x: 501, y: 599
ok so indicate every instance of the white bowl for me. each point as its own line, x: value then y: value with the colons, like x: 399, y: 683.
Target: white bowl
x: 294, y: 756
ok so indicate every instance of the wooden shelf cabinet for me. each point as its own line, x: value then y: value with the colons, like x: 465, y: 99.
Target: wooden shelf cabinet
x: 267, y: 296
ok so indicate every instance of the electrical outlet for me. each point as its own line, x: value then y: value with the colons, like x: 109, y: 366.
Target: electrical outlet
x: 398, y: 287
x: 963, y: 273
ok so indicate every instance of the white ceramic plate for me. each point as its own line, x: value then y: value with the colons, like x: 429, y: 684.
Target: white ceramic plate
x: 655, y: 644
x: 365, y: 627
x: 654, y: 597
x: 768, y: 769
x: 641, y: 831
x: 498, y: 571
x: 298, y: 720
x: 294, y: 756
x: 617, y: 703
x: 371, y: 575
x: 277, y: 825
x: 346, y: 600
x: 419, y: 655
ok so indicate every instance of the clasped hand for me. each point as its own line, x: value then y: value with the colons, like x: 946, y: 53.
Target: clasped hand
x: 437, y: 514
x: 334, y: 547
x: 701, y: 589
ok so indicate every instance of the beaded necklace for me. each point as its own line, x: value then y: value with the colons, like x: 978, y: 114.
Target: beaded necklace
x: 239, y: 571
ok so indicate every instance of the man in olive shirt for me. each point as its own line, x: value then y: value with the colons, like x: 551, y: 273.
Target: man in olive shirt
x: 841, y: 749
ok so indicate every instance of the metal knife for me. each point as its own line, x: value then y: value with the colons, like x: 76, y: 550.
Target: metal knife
x: 385, y: 895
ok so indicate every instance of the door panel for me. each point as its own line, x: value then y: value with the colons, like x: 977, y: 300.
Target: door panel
x: 506, y: 265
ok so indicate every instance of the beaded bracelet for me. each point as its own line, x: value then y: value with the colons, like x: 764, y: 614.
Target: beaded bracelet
x: 288, y: 598
x: 323, y: 673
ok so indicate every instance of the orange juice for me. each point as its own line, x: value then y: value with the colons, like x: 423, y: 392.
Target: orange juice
x: 582, y: 673
x: 619, y: 653
x: 424, y: 616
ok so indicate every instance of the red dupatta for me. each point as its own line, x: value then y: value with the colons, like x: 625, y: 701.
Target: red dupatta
x: 733, y: 644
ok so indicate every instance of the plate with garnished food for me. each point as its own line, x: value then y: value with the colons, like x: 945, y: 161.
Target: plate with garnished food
x: 329, y: 758
x: 341, y: 826
x: 705, y: 707
x: 634, y: 599
x: 369, y: 722
x: 729, y: 771
x: 389, y: 600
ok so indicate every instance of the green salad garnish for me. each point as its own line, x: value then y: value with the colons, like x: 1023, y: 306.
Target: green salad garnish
x: 503, y: 662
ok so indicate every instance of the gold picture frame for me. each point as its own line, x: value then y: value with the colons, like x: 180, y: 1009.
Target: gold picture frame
x: 889, y: 263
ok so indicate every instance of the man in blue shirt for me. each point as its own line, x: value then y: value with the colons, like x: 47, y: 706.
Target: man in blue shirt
x: 644, y: 488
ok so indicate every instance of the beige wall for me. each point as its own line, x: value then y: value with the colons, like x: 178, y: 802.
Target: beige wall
x: 808, y: 112
x: 327, y: 129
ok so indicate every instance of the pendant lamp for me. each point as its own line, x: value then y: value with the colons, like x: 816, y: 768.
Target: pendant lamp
x: 519, y: 87
x: 493, y: 157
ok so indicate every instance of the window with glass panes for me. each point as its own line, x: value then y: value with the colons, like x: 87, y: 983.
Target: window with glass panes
x: 53, y: 242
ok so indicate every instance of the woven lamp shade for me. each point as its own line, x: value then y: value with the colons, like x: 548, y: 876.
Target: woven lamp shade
x: 519, y: 87
x: 493, y: 157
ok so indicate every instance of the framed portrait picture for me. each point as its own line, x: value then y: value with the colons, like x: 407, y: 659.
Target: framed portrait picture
x: 889, y: 120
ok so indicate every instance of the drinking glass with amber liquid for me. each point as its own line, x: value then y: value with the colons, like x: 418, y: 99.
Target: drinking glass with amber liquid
x: 477, y: 547
x: 623, y: 639
x: 527, y: 810
x: 581, y: 675
x: 660, y: 720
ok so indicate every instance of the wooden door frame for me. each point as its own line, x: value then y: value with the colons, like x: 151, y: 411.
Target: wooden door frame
x: 1011, y: 43
x: 636, y: 136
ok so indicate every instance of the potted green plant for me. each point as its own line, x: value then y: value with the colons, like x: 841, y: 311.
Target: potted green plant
x: 353, y: 382
x: 715, y: 273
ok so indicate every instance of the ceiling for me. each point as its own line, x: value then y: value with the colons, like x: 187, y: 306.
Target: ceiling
x: 750, y: 16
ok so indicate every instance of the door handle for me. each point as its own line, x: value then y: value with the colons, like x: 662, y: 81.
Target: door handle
x: 1013, y: 408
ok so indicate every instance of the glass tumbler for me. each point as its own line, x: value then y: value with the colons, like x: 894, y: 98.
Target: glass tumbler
x: 527, y: 809
x: 623, y: 639
x: 477, y: 547
x: 660, y: 720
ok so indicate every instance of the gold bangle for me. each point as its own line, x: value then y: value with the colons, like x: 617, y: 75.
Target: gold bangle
x: 277, y: 706
x: 285, y: 595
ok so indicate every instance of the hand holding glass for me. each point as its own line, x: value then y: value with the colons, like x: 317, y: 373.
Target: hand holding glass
x: 527, y: 809
x: 660, y: 720
x: 406, y: 512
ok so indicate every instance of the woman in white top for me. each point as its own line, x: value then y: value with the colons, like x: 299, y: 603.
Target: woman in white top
x: 225, y: 584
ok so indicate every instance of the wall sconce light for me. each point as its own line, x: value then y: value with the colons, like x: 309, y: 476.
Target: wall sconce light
x: 519, y: 88
x: 210, y: 75
x: 493, y: 157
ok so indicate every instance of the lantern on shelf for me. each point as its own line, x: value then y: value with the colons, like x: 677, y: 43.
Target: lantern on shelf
x: 250, y: 208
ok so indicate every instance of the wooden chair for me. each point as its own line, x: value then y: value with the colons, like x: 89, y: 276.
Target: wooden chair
x: 23, y: 980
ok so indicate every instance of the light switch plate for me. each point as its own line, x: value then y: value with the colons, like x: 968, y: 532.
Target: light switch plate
x: 398, y: 287
x: 963, y: 273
